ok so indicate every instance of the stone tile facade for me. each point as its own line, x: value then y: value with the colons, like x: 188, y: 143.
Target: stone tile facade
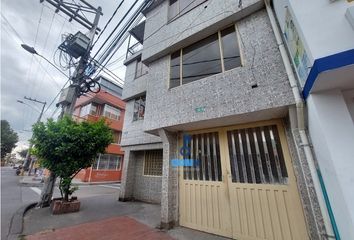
x: 228, y: 98
x: 226, y: 94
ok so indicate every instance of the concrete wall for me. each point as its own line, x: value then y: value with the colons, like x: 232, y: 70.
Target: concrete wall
x: 332, y: 132
x: 321, y: 24
x: 162, y: 37
x: 225, y: 94
x: 133, y: 133
x: 133, y: 86
x: 146, y: 188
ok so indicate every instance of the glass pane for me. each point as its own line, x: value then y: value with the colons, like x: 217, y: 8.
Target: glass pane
x: 173, y: 9
x: 138, y: 72
x: 230, y: 48
x: 113, y: 160
x: 185, y: 6
x: 111, y: 112
x: 201, y: 59
x: 175, y: 69
x: 103, y: 161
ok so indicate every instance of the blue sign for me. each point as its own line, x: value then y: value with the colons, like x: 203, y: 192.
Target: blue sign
x: 185, y: 151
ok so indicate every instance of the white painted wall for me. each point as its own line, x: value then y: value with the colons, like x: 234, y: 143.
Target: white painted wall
x: 332, y: 132
x: 349, y: 99
x: 321, y: 24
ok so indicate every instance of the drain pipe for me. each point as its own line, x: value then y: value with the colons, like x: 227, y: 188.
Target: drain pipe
x: 301, y: 124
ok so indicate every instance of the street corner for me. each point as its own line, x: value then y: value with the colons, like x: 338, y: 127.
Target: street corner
x: 112, y: 228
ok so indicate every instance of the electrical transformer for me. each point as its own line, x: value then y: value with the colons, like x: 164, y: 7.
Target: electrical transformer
x: 75, y: 45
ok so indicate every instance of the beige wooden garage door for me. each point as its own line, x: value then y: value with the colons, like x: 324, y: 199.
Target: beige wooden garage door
x: 244, y: 186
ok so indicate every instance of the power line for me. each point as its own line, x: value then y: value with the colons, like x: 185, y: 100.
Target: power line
x: 104, y: 28
x: 12, y: 28
x: 44, y: 47
x: 56, y: 96
x: 110, y: 35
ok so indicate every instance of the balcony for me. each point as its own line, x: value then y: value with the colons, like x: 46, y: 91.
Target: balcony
x: 135, y: 45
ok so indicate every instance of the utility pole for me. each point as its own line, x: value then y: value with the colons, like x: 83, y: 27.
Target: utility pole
x: 78, y: 78
x: 28, y: 160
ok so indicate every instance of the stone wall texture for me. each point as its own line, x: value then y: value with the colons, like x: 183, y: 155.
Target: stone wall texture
x: 225, y: 94
x: 146, y: 188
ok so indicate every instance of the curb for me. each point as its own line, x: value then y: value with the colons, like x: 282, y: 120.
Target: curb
x: 16, y: 224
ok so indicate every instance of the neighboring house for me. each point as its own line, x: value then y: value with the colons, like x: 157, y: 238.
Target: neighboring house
x: 320, y: 39
x: 211, y: 82
x: 107, y: 104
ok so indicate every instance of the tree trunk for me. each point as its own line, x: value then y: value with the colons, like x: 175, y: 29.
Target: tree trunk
x: 47, y: 191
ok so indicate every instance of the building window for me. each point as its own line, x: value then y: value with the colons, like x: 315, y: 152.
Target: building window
x: 214, y: 54
x: 108, y: 162
x: 139, y: 108
x: 153, y: 163
x: 117, y: 135
x: 89, y: 109
x: 180, y: 7
x: 141, y: 68
x: 111, y: 112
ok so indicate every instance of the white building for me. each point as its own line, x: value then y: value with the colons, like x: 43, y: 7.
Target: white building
x: 319, y: 36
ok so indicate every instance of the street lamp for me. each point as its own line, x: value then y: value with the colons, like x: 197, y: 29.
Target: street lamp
x: 22, y: 102
x: 28, y: 163
x: 33, y: 51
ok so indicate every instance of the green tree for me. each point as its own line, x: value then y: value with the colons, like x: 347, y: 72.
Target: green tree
x: 9, y: 138
x: 65, y: 147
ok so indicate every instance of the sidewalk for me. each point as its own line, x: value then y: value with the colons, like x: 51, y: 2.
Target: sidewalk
x: 103, y: 217
x: 32, y: 181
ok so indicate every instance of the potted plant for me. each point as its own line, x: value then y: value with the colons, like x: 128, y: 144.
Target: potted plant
x: 65, y: 148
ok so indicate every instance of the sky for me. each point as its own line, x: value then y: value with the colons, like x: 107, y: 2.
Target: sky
x: 22, y: 74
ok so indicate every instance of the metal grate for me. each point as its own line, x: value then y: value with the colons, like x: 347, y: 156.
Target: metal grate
x: 153, y: 163
x: 256, y: 155
x: 205, y: 152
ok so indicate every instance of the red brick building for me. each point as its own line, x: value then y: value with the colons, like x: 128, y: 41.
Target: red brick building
x: 91, y: 107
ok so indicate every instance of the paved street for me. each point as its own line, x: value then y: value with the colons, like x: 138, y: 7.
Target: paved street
x: 15, y: 195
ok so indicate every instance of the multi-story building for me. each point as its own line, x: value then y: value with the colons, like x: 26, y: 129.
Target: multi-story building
x: 213, y: 85
x: 106, y: 103
x: 320, y: 39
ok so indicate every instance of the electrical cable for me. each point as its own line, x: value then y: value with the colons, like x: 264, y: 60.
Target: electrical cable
x: 109, y: 20
x: 120, y: 22
x: 56, y: 96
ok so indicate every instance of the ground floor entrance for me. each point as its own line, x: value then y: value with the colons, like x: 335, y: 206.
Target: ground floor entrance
x: 242, y: 185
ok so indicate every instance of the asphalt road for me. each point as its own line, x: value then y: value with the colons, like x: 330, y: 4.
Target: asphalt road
x: 15, y: 195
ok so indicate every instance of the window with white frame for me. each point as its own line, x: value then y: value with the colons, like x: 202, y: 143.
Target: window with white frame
x: 108, y: 162
x: 89, y: 109
x: 111, y: 112
x: 139, y: 108
x: 212, y: 55
x: 153, y: 163
x: 180, y: 7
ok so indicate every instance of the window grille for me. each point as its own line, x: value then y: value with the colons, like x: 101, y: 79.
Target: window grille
x: 256, y: 156
x: 153, y: 163
x: 205, y: 153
